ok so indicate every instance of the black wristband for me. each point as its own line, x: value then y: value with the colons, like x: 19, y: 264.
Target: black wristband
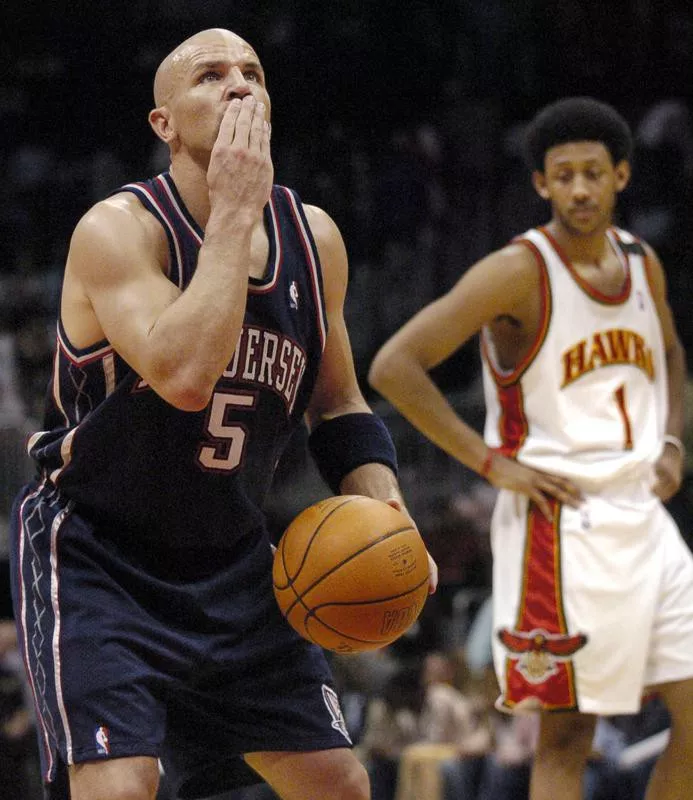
x: 342, y: 444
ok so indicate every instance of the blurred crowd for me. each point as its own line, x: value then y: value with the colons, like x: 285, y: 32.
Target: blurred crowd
x: 404, y: 121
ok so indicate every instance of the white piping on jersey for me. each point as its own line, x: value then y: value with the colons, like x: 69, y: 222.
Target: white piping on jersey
x: 65, y: 453
x: 136, y: 187
x: 107, y: 356
x: 57, y: 522
x: 44, y: 723
x: 313, y: 266
x: 85, y: 358
x: 277, y: 254
x: 491, y: 354
x: 109, y: 372
x: 163, y: 182
x: 56, y: 382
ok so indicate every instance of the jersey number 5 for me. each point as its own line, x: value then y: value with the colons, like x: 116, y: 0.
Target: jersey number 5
x: 225, y: 451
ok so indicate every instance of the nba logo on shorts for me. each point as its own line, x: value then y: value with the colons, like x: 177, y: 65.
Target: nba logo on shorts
x: 332, y: 703
x: 103, y: 746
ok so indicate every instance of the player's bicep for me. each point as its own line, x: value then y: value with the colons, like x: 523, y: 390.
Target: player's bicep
x: 498, y: 285
x: 113, y: 257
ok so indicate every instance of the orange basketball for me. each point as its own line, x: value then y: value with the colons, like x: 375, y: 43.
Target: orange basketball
x: 351, y: 574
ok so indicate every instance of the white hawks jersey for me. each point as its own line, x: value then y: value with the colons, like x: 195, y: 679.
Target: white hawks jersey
x: 589, y: 401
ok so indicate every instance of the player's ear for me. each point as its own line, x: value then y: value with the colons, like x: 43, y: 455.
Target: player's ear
x: 539, y: 183
x: 623, y: 173
x: 160, y: 120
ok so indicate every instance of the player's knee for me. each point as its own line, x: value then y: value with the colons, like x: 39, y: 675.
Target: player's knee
x: 568, y: 736
x: 120, y: 779
x: 356, y: 785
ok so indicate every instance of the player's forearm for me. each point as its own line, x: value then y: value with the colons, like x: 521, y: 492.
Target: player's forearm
x: 372, y: 480
x: 194, y: 339
x: 676, y: 376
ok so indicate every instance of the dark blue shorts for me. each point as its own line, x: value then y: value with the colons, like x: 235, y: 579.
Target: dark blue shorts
x: 181, y: 656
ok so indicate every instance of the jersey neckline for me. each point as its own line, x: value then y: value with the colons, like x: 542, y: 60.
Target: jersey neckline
x: 269, y: 218
x: 601, y: 297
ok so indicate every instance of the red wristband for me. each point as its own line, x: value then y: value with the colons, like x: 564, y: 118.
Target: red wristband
x: 486, y: 466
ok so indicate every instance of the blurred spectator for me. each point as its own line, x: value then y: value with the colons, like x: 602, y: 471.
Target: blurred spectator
x: 11, y: 404
x: 413, y: 712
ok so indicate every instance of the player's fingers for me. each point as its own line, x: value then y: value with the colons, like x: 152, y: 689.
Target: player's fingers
x: 562, y: 490
x: 571, y: 489
x: 257, y: 126
x: 241, y: 131
x: 432, y: 574
x: 228, y: 121
x: 265, y: 140
x: 542, y: 502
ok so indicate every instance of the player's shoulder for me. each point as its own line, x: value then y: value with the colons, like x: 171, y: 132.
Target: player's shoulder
x: 321, y: 223
x: 323, y: 228
x: 632, y: 244
x: 121, y: 216
x: 515, y: 261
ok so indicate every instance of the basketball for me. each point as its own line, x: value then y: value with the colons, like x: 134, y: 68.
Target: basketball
x: 351, y: 574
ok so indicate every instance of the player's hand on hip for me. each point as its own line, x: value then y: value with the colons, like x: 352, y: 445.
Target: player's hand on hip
x: 240, y: 172
x: 432, y: 566
x: 668, y: 473
x: 505, y: 473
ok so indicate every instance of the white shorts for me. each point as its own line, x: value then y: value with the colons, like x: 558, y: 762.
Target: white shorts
x: 592, y: 607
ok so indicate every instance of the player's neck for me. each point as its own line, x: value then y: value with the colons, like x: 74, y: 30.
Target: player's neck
x: 191, y: 181
x: 592, y: 249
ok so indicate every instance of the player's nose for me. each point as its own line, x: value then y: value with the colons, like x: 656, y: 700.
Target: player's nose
x: 580, y: 188
x: 237, y: 85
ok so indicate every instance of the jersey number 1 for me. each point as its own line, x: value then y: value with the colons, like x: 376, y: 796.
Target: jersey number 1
x: 620, y: 396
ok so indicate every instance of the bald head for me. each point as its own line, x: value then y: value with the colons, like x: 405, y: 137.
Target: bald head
x: 178, y: 61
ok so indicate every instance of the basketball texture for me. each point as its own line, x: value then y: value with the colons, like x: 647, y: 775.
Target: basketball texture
x: 351, y: 574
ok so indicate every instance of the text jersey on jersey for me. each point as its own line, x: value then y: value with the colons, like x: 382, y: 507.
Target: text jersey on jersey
x: 131, y: 460
x: 590, y: 401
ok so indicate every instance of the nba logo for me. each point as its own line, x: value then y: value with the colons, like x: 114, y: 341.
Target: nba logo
x: 103, y: 746
x: 293, y: 295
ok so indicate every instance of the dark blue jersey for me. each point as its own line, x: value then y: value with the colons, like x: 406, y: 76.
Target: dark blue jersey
x: 140, y: 467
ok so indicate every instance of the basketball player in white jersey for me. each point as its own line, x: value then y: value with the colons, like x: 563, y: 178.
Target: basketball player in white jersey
x: 583, y: 379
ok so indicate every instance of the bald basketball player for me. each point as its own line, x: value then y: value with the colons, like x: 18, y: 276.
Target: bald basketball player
x: 201, y: 321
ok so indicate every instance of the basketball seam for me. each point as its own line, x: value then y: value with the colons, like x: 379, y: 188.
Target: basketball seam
x: 309, y: 544
x: 383, y: 538
x: 311, y: 615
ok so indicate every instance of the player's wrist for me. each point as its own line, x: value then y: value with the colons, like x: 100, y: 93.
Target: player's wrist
x: 674, y: 442
x: 487, y: 463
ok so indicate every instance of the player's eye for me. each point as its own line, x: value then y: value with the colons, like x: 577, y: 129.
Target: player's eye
x: 251, y: 75
x: 210, y: 75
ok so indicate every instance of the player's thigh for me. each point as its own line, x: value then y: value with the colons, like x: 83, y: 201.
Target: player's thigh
x: 134, y: 778
x: 318, y: 775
